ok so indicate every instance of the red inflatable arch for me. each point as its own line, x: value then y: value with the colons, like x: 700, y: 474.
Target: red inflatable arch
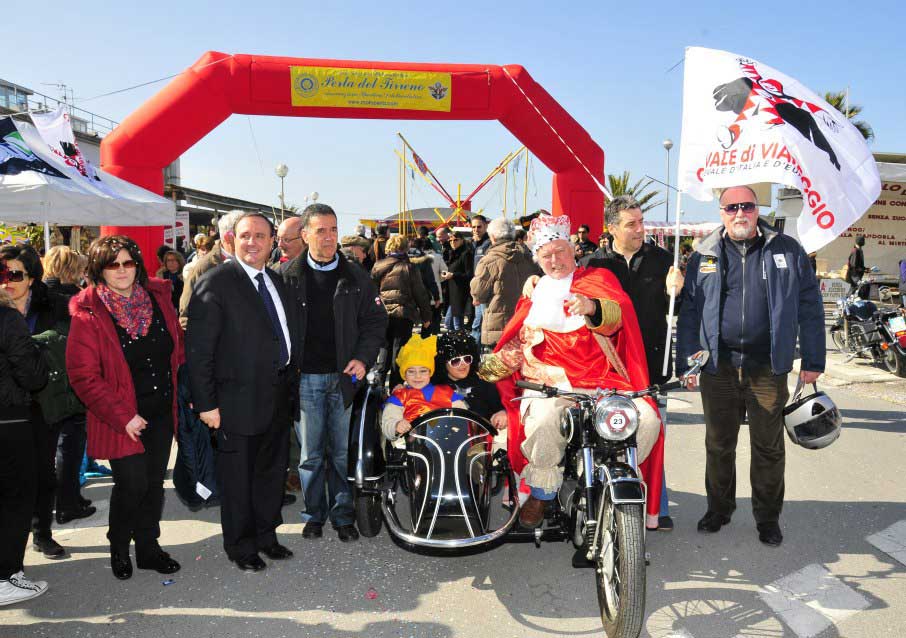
x: 219, y: 85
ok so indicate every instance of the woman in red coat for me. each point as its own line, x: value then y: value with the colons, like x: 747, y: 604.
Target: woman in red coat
x: 124, y: 349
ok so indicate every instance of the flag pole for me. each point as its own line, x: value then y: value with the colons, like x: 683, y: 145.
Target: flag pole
x: 676, y: 244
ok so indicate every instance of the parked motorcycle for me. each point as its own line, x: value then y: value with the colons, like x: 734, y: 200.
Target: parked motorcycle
x: 445, y: 487
x: 862, y: 328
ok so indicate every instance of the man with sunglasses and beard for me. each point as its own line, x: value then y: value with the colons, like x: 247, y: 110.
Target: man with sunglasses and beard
x: 748, y: 292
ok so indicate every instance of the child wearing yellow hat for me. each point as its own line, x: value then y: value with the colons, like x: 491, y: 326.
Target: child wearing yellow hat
x: 418, y: 396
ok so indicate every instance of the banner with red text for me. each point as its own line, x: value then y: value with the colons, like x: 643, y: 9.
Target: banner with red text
x: 884, y: 229
x: 745, y: 122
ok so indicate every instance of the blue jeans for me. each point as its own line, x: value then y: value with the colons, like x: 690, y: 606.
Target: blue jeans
x: 451, y: 321
x: 324, y: 436
x: 476, y: 323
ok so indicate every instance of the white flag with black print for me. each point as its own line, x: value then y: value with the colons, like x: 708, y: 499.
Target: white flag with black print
x: 745, y: 122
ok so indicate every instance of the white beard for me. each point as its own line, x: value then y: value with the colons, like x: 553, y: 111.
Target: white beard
x: 547, y: 306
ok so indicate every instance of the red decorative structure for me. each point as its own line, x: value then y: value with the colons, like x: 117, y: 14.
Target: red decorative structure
x: 219, y: 85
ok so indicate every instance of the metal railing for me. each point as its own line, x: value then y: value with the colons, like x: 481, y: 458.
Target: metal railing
x: 85, y: 122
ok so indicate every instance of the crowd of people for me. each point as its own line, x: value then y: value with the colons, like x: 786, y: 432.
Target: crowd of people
x: 99, y: 357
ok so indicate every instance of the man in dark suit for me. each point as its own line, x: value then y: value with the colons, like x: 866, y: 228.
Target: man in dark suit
x: 243, y: 350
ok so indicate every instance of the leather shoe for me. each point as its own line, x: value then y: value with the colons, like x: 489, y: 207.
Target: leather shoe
x: 277, y: 552
x: 770, y: 534
x: 82, y: 511
x: 251, y: 563
x: 711, y: 522
x: 532, y: 513
x: 121, y: 565
x: 288, y: 499
x: 84, y: 502
x: 161, y: 562
x: 293, y: 484
x: 348, y: 533
x: 47, y: 546
x: 664, y: 524
x: 312, y: 530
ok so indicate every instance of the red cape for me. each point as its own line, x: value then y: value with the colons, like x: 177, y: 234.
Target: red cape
x: 595, y: 283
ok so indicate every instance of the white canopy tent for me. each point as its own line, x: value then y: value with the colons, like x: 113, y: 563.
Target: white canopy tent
x: 40, y: 185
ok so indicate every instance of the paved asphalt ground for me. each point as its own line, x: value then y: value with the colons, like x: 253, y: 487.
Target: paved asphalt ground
x: 841, y: 571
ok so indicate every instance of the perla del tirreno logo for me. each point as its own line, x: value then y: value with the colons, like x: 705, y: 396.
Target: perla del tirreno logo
x: 438, y: 91
x: 306, y: 85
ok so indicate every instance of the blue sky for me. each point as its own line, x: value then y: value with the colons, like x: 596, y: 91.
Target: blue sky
x: 605, y: 62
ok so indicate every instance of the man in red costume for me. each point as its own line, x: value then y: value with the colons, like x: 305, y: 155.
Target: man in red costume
x: 578, y: 331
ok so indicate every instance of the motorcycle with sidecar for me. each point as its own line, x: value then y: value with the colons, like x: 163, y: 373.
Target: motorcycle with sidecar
x: 445, y: 486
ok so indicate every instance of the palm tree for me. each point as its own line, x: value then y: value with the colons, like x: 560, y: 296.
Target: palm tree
x: 838, y: 101
x: 619, y: 185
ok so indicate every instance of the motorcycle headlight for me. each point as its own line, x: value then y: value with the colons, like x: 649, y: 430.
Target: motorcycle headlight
x: 616, y: 418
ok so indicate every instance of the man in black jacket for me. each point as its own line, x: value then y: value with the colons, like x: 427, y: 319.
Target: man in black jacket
x: 242, y: 350
x: 341, y: 325
x: 646, y: 272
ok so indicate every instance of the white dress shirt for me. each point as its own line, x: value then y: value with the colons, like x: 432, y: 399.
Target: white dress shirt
x: 275, y: 295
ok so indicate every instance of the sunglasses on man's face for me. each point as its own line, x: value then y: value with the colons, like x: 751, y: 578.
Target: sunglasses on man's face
x: 129, y: 264
x: 12, y: 276
x: 459, y: 361
x: 746, y: 207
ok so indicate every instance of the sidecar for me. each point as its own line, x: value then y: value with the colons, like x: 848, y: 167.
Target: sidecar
x: 445, y: 489
x: 444, y: 486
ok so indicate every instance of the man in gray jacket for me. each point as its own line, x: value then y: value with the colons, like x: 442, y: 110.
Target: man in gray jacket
x: 749, y: 291
x: 222, y: 251
x: 499, y: 277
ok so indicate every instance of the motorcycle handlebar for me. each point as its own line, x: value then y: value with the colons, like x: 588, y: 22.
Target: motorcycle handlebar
x: 671, y: 385
x: 538, y: 387
x: 552, y: 391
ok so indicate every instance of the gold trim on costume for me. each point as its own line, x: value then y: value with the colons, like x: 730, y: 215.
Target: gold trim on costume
x: 611, y: 318
x: 493, y: 369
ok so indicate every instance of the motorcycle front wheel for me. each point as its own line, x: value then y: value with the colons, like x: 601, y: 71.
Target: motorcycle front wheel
x: 368, y: 515
x: 620, y: 570
x: 895, y: 362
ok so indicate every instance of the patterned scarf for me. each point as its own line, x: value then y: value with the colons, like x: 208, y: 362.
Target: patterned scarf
x: 132, y: 313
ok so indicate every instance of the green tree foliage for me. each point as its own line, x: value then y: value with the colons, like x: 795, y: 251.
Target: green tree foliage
x: 622, y: 185
x: 838, y: 101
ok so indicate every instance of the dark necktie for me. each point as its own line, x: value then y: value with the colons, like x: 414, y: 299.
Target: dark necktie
x: 275, y: 319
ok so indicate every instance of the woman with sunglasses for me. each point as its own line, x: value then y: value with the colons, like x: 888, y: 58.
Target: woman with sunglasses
x: 43, y: 311
x: 456, y: 365
x: 23, y: 372
x: 124, y: 349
